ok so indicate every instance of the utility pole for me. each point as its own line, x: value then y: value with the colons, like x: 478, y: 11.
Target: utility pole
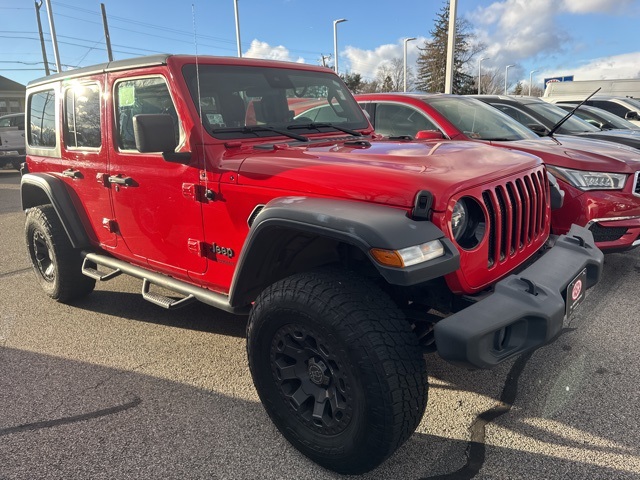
x: 44, y: 50
x: 107, y: 38
x: 451, y: 47
x: 54, y: 39
x: 324, y: 58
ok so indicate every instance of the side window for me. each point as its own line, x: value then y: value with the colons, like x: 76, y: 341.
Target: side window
x: 612, y: 107
x: 393, y: 120
x: 517, y: 115
x: 42, y: 119
x: 141, y: 95
x: 82, y: 116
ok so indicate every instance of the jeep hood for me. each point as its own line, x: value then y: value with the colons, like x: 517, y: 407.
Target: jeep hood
x: 580, y: 153
x: 386, y: 172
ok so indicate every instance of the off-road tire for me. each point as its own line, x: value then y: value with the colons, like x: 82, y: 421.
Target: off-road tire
x: 338, y: 332
x: 58, y: 266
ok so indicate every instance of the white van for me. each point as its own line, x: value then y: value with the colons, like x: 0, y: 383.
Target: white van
x: 617, y: 88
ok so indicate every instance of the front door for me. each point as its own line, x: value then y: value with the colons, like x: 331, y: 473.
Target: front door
x: 158, y: 219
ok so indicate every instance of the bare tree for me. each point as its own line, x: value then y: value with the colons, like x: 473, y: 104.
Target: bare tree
x: 390, y: 75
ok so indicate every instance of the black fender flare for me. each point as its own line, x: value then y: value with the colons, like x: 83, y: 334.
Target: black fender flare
x: 363, y: 225
x: 42, y: 188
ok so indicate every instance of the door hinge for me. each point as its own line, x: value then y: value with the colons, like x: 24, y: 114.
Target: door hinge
x: 194, y: 192
x: 110, y: 224
x: 197, y: 247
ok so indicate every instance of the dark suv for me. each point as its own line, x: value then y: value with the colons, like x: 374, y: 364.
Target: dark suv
x: 203, y: 176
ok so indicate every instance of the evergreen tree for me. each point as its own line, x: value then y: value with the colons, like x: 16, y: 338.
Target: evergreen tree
x: 353, y: 81
x: 432, y: 61
x: 519, y: 89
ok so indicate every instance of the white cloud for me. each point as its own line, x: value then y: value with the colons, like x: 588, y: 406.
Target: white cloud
x: 595, y: 6
x: 519, y: 30
x: 617, y: 66
x: 260, y: 49
x: 367, y: 62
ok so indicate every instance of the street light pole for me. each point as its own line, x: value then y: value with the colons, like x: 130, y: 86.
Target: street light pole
x: 451, y: 47
x: 335, y: 42
x: 506, y: 75
x: 406, y: 40
x: 235, y: 7
x: 480, y: 71
x: 531, y: 79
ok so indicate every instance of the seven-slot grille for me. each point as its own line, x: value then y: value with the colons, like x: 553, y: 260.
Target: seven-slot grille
x: 517, y: 212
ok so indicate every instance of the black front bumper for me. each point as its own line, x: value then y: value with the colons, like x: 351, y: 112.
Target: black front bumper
x: 525, y: 311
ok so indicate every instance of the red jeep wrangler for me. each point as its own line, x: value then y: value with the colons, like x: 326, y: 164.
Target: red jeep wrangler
x: 212, y: 178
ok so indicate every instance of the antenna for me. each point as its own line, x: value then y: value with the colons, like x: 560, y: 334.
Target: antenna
x: 208, y: 192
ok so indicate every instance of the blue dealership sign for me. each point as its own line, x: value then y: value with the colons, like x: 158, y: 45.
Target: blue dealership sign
x: 567, y: 78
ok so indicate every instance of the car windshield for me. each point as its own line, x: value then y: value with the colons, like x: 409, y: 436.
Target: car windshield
x: 553, y: 114
x: 478, y: 120
x: 249, y: 102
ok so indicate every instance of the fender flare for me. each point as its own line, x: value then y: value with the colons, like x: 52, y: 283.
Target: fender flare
x: 42, y: 188
x: 363, y: 225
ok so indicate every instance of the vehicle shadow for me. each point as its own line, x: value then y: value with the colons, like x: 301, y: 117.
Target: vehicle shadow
x: 69, y: 419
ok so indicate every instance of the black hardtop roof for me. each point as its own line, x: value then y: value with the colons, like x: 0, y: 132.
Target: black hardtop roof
x: 160, y: 59
x: 129, y: 63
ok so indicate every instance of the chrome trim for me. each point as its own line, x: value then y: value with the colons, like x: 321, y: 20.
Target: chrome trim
x: 610, y: 219
x: 636, y: 243
x: 636, y: 183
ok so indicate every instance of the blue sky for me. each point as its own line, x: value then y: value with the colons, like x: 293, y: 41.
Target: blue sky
x: 590, y: 39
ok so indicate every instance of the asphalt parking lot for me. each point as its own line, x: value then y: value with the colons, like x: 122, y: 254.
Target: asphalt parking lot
x: 114, y: 387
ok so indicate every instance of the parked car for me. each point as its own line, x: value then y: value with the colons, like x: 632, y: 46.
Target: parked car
x: 192, y: 174
x: 12, y: 142
x: 600, y: 179
x: 624, y: 107
x: 600, y: 118
x: 542, y: 117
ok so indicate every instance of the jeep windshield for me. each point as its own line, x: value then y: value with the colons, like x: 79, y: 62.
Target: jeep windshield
x: 250, y: 102
x: 478, y: 120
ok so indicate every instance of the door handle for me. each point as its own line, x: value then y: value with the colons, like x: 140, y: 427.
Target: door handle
x: 120, y: 180
x: 71, y: 173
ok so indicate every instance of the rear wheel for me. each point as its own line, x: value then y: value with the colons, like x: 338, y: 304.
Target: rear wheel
x: 337, y: 368
x: 58, y: 266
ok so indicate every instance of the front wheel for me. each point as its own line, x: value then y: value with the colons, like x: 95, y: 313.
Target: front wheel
x: 58, y: 266
x: 337, y: 368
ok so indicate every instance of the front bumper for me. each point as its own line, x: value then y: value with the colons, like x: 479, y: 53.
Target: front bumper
x: 525, y: 311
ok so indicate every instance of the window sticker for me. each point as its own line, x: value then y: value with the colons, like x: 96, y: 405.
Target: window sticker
x: 126, y: 95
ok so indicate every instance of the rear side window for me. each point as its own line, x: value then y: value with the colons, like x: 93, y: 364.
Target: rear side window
x: 142, y: 95
x: 42, y: 119
x: 82, y: 116
x: 612, y: 107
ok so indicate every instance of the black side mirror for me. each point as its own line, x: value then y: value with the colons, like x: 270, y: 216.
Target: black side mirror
x: 538, y: 129
x: 156, y: 133
x: 632, y: 115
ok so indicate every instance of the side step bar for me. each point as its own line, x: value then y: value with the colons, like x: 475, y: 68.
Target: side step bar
x: 190, y: 292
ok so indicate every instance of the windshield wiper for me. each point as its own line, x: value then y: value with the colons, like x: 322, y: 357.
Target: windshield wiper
x: 318, y: 126
x: 570, y: 114
x: 261, y: 128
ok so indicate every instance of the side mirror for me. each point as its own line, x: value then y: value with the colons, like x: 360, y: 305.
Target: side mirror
x: 429, y: 135
x: 632, y: 115
x: 156, y: 133
x: 538, y: 129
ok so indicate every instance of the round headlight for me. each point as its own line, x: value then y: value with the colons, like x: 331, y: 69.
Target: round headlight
x: 458, y: 219
x: 468, y: 223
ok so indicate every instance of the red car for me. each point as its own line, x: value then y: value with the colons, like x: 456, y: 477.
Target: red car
x: 600, y: 179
